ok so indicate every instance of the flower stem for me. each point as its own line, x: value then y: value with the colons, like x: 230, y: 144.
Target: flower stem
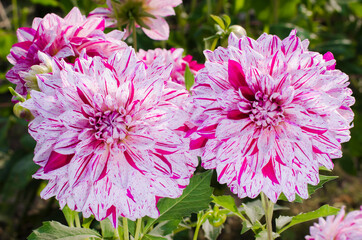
x: 125, y: 229
x: 134, y: 35
x: 138, y: 229
x: 268, y: 209
x: 77, y: 221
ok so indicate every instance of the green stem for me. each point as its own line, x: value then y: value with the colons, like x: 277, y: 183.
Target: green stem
x: 198, y: 225
x: 138, y: 229
x: 77, y: 221
x: 15, y: 14
x: 125, y: 229
x: 275, y: 11
x: 268, y: 209
x: 134, y: 34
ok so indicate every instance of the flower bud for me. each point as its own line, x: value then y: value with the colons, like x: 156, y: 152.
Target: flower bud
x: 239, y: 31
x: 22, y: 112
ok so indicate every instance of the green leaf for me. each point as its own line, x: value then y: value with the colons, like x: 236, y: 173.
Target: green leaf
x: 227, y: 20
x: 87, y: 221
x: 54, y: 230
x: 150, y: 237
x: 311, y: 189
x: 69, y: 215
x: 254, y: 210
x: 195, y: 197
x: 218, y: 20
x: 189, y: 78
x: 264, y: 235
x: 227, y: 202
x: 165, y: 228
x: 107, y: 228
x: 323, y: 211
x: 51, y: 3
x: 281, y: 221
x: 210, y: 231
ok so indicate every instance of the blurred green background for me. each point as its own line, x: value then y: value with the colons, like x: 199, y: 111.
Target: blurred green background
x: 330, y: 25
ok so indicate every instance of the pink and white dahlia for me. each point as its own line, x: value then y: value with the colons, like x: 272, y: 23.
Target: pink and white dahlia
x: 269, y: 114
x: 338, y: 227
x: 62, y: 38
x: 174, y: 56
x: 106, y: 136
x: 147, y: 14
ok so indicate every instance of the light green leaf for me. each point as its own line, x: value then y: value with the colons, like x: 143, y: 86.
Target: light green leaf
x: 254, y: 210
x: 56, y: 231
x: 227, y: 20
x: 227, y: 202
x: 51, y: 3
x: 69, y: 215
x: 263, y: 235
x: 323, y: 211
x: 189, y: 78
x: 281, y: 221
x: 218, y: 20
x: 210, y: 231
x: 87, y: 221
x: 311, y: 189
x: 195, y: 197
x: 107, y: 228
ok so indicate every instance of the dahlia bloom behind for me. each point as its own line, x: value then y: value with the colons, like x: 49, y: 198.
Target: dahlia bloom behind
x: 338, y: 227
x: 106, y: 137
x: 147, y: 14
x: 61, y: 38
x: 174, y: 56
x: 269, y: 113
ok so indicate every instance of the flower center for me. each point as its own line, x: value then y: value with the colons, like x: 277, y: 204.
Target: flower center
x: 110, y: 126
x: 265, y: 111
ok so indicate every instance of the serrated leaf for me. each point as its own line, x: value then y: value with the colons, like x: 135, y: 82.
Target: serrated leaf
x: 227, y: 202
x: 218, y: 20
x: 210, y: 231
x: 323, y: 211
x: 281, y: 221
x: 189, y: 78
x: 311, y: 189
x: 227, y: 20
x: 55, y: 230
x: 195, y: 197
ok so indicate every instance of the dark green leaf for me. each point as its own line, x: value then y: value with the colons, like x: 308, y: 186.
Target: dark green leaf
x: 54, y: 230
x: 195, y: 197
x: 150, y: 237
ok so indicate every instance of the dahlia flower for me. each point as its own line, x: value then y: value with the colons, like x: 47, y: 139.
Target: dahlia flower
x: 146, y: 14
x: 106, y: 136
x: 269, y: 114
x: 338, y: 227
x: 174, y: 56
x: 61, y: 38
